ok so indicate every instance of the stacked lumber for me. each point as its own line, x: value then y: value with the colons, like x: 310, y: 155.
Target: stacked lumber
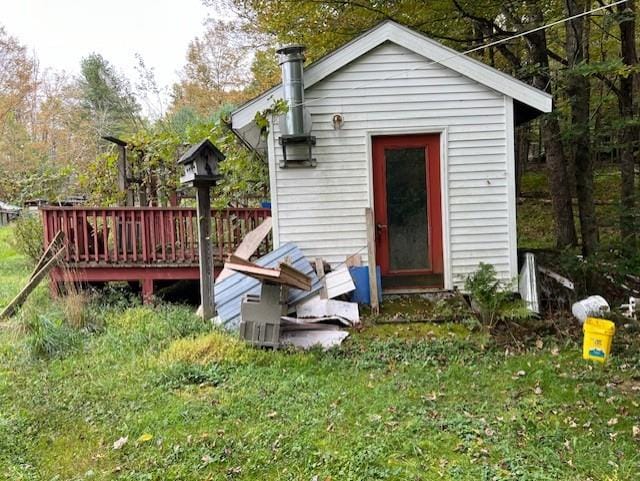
x: 284, y: 274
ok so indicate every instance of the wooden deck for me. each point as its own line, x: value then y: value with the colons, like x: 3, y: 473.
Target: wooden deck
x: 142, y: 244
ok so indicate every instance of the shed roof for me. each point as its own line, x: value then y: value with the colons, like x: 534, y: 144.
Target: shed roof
x: 5, y: 207
x: 390, y: 31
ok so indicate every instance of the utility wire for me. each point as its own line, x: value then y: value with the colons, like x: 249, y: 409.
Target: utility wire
x: 475, y: 49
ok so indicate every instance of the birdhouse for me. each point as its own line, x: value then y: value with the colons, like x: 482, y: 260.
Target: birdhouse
x: 200, y: 164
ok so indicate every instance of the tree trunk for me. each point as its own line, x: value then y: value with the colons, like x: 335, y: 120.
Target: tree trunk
x: 578, y: 90
x: 556, y: 161
x: 558, y: 183
x: 627, y: 25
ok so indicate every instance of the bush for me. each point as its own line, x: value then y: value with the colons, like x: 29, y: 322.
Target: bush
x: 29, y: 237
x: 492, y: 300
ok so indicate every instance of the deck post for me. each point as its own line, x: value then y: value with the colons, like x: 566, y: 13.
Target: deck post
x: 147, y: 290
x: 205, y: 252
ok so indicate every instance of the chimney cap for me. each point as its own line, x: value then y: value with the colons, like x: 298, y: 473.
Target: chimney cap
x: 292, y: 52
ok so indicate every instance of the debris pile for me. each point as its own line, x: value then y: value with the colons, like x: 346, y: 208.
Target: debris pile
x: 540, y: 287
x: 280, y: 299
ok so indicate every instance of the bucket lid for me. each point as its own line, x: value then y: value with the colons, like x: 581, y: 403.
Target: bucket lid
x: 599, y: 326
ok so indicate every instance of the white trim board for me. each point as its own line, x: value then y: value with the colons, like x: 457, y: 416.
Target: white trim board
x: 390, y: 31
x: 511, y: 187
x: 273, y: 187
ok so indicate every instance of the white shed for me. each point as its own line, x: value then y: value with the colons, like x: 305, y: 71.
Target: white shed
x: 412, y: 129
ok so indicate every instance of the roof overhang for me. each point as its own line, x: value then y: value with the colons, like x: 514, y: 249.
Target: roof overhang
x: 528, y: 100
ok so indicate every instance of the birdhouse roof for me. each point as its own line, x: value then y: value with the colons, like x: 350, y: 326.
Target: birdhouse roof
x: 198, y: 149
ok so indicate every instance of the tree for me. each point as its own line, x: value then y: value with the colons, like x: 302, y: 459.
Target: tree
x: 106, y: 96
x: 578, y: 90
x: 626, y: 19
x: 216, y: 71
x: 17, y: 80
x: 556, y: 161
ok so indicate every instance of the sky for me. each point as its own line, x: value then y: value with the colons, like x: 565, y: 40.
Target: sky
x: 62, y: 32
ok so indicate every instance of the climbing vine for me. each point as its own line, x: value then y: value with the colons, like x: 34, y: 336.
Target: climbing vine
x: 153, y: 152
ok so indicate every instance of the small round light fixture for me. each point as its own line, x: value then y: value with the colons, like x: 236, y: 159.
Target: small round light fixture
x: 338, y: 121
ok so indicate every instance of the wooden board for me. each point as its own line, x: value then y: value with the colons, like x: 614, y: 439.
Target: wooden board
x: 284, y: 274
x: 31, y: 285
x: 353, y: 261
x: 371, y: 262
x: 45, y: 256
x: 249, y: 245
x: 320, y: 271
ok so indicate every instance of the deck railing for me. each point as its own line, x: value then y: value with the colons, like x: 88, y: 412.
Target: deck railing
x: 147, y: 235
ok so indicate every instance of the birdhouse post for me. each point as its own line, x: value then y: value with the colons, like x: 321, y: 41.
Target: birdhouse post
x: 200, y: 164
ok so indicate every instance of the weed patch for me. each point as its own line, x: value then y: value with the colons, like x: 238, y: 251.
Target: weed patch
x: 50, y: 338
x: 213, y: 347
x: 182, y: 374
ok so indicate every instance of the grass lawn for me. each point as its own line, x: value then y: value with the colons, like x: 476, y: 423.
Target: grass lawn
x: 396, y: 401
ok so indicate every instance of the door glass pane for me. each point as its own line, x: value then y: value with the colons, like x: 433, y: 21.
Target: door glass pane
x: 407, y: 208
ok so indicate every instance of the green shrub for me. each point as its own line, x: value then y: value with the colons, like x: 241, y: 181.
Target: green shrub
x: 493, y: 300
x: 29, y: 236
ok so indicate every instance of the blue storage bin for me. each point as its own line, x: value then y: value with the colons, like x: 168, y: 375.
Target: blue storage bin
x: 360, y: 275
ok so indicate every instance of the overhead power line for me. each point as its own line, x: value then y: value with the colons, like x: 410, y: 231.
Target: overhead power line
x: 475, y: 49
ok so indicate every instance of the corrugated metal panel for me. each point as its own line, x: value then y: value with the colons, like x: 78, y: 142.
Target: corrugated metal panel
x: 420, y: 96
x: 230, y: 291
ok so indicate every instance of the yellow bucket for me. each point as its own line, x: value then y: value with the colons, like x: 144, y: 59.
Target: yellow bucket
x: 598, y: 334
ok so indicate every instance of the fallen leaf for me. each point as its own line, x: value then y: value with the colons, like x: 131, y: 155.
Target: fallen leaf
x: 120, y: 442
x: 521, y: 373
x: 272, y: 414
x: 144, y: 438
x: 612, y: 422
x: 539, y: 344
x: 206, y: 459
x: 636, y: 431
x: 555, y: 351
x: 537, y: 390
x: 431, y: 397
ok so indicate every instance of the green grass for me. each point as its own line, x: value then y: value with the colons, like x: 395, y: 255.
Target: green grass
x: 396, y: 401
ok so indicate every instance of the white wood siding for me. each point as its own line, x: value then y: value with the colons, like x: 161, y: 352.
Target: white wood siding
x: 393, y: 90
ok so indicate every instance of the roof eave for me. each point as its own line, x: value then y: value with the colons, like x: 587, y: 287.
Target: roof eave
x: 416, y: 42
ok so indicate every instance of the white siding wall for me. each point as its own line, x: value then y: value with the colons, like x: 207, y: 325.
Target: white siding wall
x: 322, y: 209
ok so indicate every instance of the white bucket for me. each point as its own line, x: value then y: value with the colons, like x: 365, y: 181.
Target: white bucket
x: 592, y: 306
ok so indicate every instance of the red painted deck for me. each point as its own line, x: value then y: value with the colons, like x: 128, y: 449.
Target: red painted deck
x: 142, y: 243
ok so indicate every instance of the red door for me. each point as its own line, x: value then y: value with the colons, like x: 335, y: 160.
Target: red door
x: 408, y: 215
